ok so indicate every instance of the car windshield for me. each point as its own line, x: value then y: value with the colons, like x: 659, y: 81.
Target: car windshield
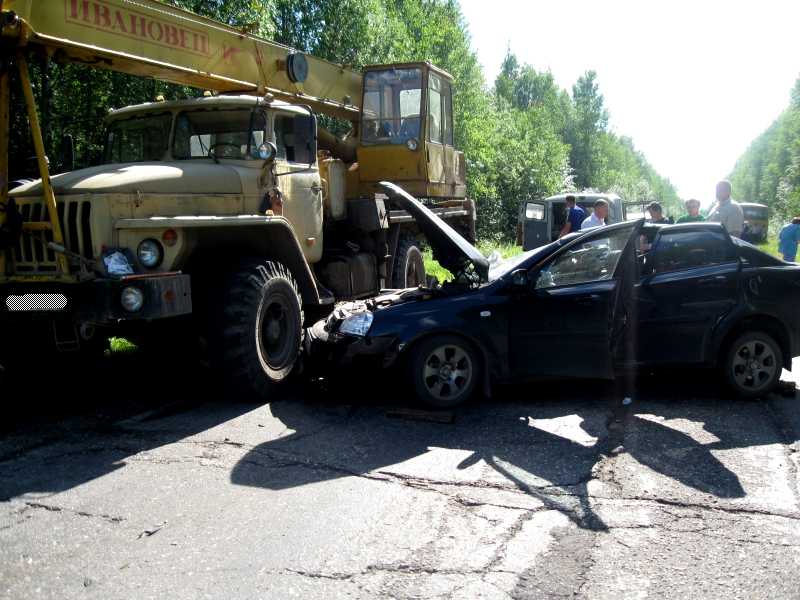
x: 137, y: 139
x: 225, y: 133
x: 392, y: 103
x: 500, y: 268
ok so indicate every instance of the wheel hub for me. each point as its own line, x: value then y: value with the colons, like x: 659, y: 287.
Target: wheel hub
x: 446, y: 372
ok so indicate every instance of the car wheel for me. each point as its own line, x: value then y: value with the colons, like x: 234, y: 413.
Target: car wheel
x: 409, y: 266
x: 444, y: 371
x: 753, y: 365
x: 261, y: 329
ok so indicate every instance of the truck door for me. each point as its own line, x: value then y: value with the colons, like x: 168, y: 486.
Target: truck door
x: 570, y: 321
x: 299, y: 179
x: 535, y: 225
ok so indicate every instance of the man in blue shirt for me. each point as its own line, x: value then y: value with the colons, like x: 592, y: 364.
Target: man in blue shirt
x: 575, y: 216
x: 788, y: 239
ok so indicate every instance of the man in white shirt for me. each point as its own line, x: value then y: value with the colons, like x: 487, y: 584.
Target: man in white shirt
x: 727, y: 211
x: 598, y: 217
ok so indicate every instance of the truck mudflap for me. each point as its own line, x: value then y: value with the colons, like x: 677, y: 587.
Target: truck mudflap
x: 99, y: 301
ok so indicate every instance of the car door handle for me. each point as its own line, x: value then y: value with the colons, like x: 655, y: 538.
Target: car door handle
x: 316, y: 188
x: 712, y: 280
x: 587, y: 300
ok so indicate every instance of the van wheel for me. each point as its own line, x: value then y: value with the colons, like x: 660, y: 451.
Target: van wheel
x: 409, y: 266
x: 753, y: 364
x: 444, y: 371
x: 260, y: 329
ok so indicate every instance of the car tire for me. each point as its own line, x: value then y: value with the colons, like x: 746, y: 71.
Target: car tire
x: 409, y: 266
x: 259, y: 329
x: 752, y: 365
x: 444, y: 371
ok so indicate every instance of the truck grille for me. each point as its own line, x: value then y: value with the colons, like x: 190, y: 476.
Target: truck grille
x: 31, y: 254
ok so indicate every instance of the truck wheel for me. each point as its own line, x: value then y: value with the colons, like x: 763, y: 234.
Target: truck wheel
x: 444, y: 371
x: 409, y: 267
x: 261, y: 328
x: 753, y: 365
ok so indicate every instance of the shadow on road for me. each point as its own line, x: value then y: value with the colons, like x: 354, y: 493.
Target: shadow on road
x: 65, y: 427
x: 518, y: 436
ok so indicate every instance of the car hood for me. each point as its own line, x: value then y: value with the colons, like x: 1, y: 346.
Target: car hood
x: 177, y: 177
x: 451, y: 250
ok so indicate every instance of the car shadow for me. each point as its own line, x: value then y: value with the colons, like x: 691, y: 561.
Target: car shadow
x: 548, y: 440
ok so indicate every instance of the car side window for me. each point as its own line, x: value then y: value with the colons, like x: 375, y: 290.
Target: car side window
x: 594, y: 260
x: 680, y: 250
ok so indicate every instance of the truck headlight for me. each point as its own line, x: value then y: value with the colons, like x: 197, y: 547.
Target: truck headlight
x: 150, y: 253
x: 132, y: 299
x: 357, y: 324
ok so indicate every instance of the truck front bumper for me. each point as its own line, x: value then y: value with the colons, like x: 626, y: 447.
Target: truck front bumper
x: 98, y: 301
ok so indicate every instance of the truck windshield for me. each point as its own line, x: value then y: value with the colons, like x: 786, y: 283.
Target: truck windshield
x: 227, y: 133
x: 392, y: 102
x: 138, y: 139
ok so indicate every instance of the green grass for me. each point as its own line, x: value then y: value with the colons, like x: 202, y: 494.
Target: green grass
x: 770, y: 247
x: 121, y: 346
x: 486, y: 248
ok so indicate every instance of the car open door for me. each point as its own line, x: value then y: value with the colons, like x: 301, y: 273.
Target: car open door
x: 576, y: 309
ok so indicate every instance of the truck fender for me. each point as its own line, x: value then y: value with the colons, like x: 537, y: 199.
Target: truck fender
x: 270, y: 237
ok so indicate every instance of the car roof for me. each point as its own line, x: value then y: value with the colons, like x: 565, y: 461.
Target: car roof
x: 696, y: 226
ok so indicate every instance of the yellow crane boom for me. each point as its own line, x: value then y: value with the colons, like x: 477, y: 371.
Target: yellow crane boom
x: 148, y: 38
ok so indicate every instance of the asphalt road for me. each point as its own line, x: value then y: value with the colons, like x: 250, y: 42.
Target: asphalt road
x: 154, y: 488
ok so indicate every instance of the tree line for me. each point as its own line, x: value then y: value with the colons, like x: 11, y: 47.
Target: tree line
x: 769, y: 170
x: 523, y: 136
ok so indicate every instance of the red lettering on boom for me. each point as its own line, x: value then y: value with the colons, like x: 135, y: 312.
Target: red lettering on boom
x: 102, y: 16
x: 108, y: 15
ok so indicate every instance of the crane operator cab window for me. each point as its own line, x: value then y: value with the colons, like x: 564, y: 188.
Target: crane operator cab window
x: 391, y: 108
x: 440, y: 113
x: 235, y: 133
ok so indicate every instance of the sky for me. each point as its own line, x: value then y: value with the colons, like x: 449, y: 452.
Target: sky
x: 692, y: 82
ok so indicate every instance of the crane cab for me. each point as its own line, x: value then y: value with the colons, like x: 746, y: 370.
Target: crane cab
x: 406, y: 131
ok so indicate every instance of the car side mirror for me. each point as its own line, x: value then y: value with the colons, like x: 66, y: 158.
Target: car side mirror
x: 267, y: 152
x: 520, y: 279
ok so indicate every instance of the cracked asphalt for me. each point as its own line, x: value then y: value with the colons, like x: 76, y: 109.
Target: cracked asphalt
x: 154, y: 487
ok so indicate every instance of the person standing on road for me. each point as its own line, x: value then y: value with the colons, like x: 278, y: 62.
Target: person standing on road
x: 598, y: 217
x: 575, y: 217
x: 657, y: 214
x: 788, y: 240
x: 727, y: 212
x: 692, y: 212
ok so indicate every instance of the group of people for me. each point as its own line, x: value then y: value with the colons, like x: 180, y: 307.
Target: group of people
x: 726, y: 211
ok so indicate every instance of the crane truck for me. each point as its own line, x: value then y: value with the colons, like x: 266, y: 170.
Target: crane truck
x: 235, y: 212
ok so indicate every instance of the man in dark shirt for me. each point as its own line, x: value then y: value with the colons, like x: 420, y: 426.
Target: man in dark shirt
x: 575, y: 216
x: 657, y: 214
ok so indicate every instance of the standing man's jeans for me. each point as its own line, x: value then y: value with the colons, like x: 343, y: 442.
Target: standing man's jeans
x: 790, y: 257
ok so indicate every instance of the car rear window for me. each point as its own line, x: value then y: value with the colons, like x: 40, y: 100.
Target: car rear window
x: 679, y: 250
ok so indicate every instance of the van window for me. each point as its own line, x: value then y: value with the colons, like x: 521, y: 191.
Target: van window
x: 535, y: 211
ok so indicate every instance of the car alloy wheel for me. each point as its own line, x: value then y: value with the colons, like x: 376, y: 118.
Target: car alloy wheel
x: 445, y: 370
x: 753, y: 365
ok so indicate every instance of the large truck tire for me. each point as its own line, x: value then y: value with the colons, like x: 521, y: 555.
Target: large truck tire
x: 409, y: 266
x: 260, y: 329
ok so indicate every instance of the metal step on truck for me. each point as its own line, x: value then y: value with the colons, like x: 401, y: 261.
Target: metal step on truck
x: 234, y: 216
